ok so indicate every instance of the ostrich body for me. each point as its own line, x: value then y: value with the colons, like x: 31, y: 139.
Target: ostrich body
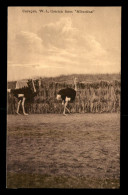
x: 67, y: 95
x: 24, y: 93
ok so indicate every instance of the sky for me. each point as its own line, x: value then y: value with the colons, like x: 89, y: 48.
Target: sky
x: 51, y: 41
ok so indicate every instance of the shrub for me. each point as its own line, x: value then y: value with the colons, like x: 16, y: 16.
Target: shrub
x: 99, y: 96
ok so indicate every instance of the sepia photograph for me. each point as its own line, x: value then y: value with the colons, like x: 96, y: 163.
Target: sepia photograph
x: 63, y: 97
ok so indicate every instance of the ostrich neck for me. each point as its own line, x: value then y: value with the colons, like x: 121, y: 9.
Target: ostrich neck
x: 33, y: 86
x: 75, y: 86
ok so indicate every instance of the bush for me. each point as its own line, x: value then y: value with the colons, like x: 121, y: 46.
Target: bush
x: 99, y: 96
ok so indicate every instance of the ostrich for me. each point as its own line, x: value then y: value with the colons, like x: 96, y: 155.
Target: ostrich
x: 67, y: 95
x: 26, y: 92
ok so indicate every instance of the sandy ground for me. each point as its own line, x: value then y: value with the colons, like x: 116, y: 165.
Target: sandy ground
x: 56, y: 151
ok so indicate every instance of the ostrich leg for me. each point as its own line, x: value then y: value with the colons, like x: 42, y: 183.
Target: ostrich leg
x: 65, y: 108
x: 92, y: 106
x: 17, y: 112
x: 23, y: 106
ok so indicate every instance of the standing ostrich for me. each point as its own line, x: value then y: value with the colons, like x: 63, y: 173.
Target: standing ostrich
x: 26, y: 92
x: 67, y: 95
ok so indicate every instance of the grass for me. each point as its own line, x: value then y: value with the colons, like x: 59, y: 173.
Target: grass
x: 47, y: 181
x: 54, y: 151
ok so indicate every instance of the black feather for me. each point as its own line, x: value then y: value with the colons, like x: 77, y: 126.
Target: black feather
x: 67, y: 92
x: 28, y: 92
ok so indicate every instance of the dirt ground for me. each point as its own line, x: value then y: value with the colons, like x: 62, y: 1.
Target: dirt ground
x: 56, y: 151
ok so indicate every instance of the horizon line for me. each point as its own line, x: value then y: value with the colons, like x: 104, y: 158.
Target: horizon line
x: 116, y: 73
